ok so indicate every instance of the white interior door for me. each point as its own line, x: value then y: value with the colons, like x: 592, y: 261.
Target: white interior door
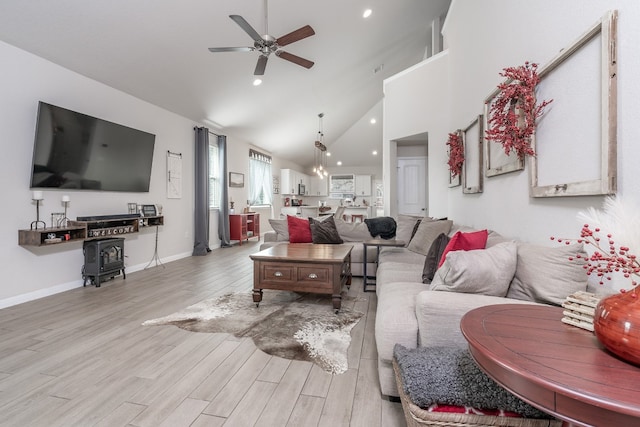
x: 412, y: 185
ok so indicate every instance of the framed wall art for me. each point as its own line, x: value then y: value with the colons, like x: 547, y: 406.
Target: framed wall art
x: 497, y: 161
x: 472, y: 137
x: 236, y: 179
x: 575, y: 141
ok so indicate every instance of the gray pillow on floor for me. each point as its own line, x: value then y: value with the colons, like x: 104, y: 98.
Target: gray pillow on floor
x: 449, y: 376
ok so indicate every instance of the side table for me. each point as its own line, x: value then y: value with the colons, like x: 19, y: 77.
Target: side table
x: 560, y: 369
x: 378, y: 243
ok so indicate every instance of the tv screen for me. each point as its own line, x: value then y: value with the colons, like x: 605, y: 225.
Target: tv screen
x: 77, y: 151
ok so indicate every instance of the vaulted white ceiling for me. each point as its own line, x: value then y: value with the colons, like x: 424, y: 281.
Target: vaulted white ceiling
x: 156, y: 50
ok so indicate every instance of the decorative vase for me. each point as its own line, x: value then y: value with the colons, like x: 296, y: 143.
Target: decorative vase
x: 617, y: 325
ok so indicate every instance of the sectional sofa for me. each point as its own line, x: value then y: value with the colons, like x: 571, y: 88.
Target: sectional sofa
x: 416, y: 310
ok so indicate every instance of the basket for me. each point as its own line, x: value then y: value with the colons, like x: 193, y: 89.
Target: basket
x: 418, y: 417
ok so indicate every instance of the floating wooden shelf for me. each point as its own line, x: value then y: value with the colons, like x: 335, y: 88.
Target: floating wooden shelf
x: 86, y: 230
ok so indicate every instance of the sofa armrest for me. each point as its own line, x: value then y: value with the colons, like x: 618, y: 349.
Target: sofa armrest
x: 270, y: 236
x: 439, y: 314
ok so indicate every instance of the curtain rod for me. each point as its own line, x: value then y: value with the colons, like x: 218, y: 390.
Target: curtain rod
x: 212, y: 133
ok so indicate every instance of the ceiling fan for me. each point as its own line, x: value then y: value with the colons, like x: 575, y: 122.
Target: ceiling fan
x: 266, y: 45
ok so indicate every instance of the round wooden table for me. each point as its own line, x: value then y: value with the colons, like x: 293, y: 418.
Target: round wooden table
x: 560, y: 369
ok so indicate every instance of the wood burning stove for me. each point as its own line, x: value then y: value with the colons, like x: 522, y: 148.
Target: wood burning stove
x: 103, y: 258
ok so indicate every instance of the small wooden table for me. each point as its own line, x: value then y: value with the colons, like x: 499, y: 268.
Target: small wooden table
x: 560, y: 369
x: 377, y: 243
x: 303, y: 267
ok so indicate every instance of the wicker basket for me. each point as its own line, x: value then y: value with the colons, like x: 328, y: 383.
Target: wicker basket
x: 418, y: 417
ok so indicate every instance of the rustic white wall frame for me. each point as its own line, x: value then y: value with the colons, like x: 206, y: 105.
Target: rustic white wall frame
x: 576, y: 142
x: 497, y: 161
x: 472, y: 137
x: 457, y: 180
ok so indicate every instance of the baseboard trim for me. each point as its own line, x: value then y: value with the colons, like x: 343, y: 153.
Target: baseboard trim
x: 42, y: 293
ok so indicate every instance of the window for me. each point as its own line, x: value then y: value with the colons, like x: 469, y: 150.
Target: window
x: 214, y: 175
x: 260, y: 190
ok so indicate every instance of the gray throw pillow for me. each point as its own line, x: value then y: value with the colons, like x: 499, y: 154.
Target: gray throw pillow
x: 426, y: 234
x: 352, y: 231
x: 405, y: 226
x: 480, y: 271
x: 281, y: 228
x: 433, y: 257
x: 324, y: 231
x: 546, y: 275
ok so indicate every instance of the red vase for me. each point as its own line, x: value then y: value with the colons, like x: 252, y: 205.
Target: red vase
x: 617, y: 325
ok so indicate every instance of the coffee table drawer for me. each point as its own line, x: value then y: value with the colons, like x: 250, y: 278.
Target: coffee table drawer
x: 278, y: 273
x: 314, y: 274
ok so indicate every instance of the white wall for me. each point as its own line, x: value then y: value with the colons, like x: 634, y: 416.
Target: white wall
x: 31, y: 272
x: 34, y: 272
x: 482, y: 38
x: 417, y: 102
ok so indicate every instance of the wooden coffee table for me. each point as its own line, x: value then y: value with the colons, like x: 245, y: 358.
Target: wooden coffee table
x: 303, y: 267
x: 561, y: 369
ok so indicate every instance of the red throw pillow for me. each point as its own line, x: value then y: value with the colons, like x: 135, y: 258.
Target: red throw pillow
x: 299, y: 230
x: 465, y: 242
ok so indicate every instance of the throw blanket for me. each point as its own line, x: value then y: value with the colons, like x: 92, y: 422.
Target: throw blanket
x: 449, y: 376
x: 384, y: 226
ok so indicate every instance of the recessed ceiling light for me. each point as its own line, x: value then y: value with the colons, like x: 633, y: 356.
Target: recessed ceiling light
x: 375, y: 153
x: 257, y: 82
x: 339, y: 163
x: 328, y: 154
x: 367, y: 13
x: 373, y: 121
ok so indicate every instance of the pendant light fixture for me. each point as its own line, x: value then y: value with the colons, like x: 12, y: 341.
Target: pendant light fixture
x: 320, y: 152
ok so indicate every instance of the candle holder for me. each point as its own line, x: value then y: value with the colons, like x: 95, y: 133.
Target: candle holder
x: 64, y: 221
x: 34, y: 224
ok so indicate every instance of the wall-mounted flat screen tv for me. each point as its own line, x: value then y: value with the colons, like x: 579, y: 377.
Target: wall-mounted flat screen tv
x: 77, y: 151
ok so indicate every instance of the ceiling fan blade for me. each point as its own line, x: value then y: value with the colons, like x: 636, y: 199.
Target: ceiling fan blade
x: 231, y: 49
x: 247, y: 28
x: 294, y: 36
x: 295, y: 59
x: 261, y: 65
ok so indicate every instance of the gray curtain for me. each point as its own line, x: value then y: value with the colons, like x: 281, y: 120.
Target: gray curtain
x: 223, y: 220
x: 201, y: 230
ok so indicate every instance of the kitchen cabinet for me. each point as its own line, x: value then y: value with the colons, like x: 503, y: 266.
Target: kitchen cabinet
x: 363, y: 185
x: 289, y: 180
x: 318, y: 186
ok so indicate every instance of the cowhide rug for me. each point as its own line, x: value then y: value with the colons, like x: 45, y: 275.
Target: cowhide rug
x: 286, y: 324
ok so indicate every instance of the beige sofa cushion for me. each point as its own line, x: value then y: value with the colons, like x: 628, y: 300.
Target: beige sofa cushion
x: 352, y: 231
x: 426, y: 233
x: 405, y: 225
x: 395, y: 318
x: 281, y: 227
x: 439, y: 315
x: 481, y: 271
x: 546, y: 275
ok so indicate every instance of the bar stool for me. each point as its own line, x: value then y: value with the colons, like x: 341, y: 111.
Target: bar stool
x: 357, y: 216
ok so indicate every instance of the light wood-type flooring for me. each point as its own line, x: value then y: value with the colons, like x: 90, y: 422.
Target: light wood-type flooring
x: 82, y: 358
